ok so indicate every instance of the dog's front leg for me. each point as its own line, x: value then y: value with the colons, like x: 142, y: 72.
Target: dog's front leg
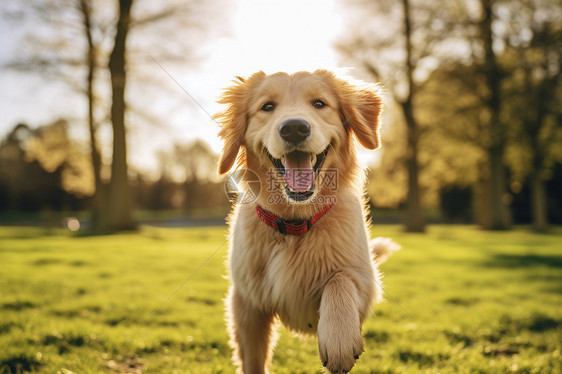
x: 339, y: 328
x: 251, y: 335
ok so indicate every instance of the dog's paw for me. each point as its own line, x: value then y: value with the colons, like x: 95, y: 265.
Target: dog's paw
x: 339, y: 349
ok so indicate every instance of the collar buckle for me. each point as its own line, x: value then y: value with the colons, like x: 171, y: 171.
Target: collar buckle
x: 280, y: 222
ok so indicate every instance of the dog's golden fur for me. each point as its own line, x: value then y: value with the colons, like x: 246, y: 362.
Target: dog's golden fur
x: 326, y: 280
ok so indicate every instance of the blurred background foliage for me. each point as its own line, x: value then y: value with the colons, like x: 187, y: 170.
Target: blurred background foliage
x: 43, y: 169
x: 471, y: 129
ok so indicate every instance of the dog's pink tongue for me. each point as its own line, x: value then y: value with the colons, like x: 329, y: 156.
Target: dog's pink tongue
x: 299, y: 175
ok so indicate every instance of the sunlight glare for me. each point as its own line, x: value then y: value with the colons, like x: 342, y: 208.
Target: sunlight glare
x: 277, y: 36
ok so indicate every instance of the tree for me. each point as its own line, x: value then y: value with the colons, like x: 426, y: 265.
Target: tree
x: 533, y: 60
x: 499, y: 216
x: 422, y: 28
x: 505, y: 109
x: 91, y: 56
x: 500, y: 35
x: 66, y: 60
x: 503, y: 73
x: 42, y: 168
x: 117, y: 214
x: 450, y: 152
x: 63, y: 20
x: 456, y: 148
x: 414, y: 217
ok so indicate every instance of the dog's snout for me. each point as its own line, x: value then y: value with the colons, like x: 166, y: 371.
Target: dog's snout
x: 294, y: 130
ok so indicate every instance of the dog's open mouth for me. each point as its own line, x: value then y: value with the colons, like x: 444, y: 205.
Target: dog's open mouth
x: 299, y: 171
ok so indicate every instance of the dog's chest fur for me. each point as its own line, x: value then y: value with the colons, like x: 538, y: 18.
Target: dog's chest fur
x: 287, y: 273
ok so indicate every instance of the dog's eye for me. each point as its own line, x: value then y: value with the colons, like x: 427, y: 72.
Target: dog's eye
x: 319, y: 104
x: 268, y: 107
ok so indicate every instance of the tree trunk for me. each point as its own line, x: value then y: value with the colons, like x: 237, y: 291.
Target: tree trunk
x: 413, y: 221
x: 539, y: 195
x: 98, y: 198
x: 533, y: 125
x: 117, y: 215
x: 499, y: 211
x: 539, y: 203
x: 481, y: 201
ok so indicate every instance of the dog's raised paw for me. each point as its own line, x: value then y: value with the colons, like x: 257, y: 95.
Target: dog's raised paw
x: 338, y: 356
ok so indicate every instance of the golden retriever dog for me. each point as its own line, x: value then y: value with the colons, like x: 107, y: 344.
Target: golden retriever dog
x: 300, y: 252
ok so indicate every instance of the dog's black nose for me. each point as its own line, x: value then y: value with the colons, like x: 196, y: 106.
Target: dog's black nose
x: 294, y: 130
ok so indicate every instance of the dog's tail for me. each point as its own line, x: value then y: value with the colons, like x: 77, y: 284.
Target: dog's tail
x: 383, y: 248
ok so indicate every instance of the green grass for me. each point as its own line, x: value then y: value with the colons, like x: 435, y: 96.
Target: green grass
x: 481, y: 302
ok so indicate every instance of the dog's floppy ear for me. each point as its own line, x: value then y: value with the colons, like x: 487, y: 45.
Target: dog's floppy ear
x: 361, y: 111
x: 233, y: 123
x: 234, y: 118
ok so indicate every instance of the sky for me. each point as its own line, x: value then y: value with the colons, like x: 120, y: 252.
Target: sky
x: 263, y: 35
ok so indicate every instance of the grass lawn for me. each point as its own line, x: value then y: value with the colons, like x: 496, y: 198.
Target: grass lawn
x: 480, y: 302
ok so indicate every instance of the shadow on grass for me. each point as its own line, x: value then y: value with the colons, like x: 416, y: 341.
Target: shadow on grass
x: 19, y: 363
x: 524, y: 261
x: 90, y: 232
x: 18, y: 305
x: 537, y: 322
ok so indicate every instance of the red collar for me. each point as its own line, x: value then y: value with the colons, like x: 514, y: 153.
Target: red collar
x: 293, y: 227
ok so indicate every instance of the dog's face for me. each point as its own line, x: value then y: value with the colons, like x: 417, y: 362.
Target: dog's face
x: 296, y: 124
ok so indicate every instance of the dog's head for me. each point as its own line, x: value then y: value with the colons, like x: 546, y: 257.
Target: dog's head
x: 296, y: 124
